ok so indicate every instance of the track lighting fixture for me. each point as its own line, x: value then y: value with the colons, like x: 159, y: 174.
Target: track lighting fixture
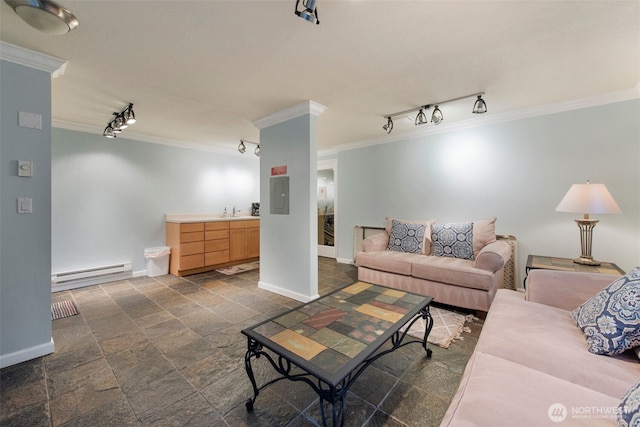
x: 436, y: 116
x: 121, y: 121
x: 310, y: 13
x: 480, y: 107
x: 243, y: 148
x: 44, y: 15
x: 389, y: 126
x: 421, y: 118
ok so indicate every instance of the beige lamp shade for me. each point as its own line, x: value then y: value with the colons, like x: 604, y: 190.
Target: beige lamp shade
x: 588, y: 199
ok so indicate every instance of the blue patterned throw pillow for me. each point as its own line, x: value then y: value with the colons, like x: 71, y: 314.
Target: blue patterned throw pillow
x: 452, y: 240
x: 406, y: 237
x: 610, y: 319
x: 629, y: 409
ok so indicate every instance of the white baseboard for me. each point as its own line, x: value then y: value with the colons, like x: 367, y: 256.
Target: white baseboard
x: 286, y: 292
x: 344, y: 261
x: 26, y: 354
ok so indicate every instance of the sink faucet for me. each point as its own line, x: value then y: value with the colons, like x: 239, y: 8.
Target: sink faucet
x: 234, y: 211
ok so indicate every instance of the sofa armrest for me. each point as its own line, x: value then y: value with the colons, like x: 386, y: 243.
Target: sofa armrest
x: 377, y: 242
x: 564, y: 289
x: 493, y: 256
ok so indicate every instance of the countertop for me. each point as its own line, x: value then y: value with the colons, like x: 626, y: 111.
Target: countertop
x: 184, y: 218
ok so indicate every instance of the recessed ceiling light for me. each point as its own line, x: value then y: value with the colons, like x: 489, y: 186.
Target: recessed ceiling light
x: 44, y: 15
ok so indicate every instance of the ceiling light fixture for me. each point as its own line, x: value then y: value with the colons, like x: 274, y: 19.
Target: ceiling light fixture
x: 389, y: 126
x: 121, y: 121
x: 436, y: 116
x: 480, y: 107
x: 242, y: 148
x: 421, y: 118
x: 44, y: 15
x: 310, y: 12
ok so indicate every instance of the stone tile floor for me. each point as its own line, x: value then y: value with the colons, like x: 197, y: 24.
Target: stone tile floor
x: 167, y: 351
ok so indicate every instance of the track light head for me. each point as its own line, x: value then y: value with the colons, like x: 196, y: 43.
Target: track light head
x: 310, y: 13
x: 389, y: 126
x: 479, y: 107
x: 44, y: 15
x: 108, y: 132
x: 119, y: 122
x: 242, y: 148
x: 257, y: 150
x: 129, y: 116
x: 436, y: 116
x: 421, y: 118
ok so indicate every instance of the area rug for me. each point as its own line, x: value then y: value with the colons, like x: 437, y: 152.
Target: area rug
x: 234, y: 269
x: 447, y: 327
x: 62, y: 309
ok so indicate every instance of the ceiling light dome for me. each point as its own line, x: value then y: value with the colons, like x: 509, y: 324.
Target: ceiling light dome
x: 45, y: 15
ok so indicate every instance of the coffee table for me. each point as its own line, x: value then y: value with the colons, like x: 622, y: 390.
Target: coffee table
x: 329, y: 342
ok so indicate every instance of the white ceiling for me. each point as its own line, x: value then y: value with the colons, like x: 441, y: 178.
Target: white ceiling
x: 201, y: 72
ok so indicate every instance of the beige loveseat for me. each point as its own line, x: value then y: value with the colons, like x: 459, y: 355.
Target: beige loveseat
x: 531, y: 366
x: 468, y: 283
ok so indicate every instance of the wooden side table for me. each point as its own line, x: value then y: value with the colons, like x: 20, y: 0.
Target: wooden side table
x: 566, y: 264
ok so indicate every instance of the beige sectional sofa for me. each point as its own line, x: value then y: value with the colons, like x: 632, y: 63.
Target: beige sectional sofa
x: 468, y: 283
x: 532, y: 367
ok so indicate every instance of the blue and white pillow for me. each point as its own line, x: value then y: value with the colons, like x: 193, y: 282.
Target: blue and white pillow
x: 610, y: 319
x: 406, y: 237
x: 629, y: 408
x: 453, y: 240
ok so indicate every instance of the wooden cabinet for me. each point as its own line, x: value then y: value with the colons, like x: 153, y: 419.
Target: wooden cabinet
x: 197, y: 247
x: 244, y: 239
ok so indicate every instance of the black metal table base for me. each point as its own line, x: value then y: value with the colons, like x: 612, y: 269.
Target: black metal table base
x: 334, y: 395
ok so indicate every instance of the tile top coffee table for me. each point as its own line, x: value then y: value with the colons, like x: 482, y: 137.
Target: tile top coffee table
x: 333, y: 339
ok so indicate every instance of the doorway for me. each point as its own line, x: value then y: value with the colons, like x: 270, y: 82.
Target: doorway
x: 327, y: 209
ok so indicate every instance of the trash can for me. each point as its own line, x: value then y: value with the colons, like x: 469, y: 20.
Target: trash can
x: 157, y: 260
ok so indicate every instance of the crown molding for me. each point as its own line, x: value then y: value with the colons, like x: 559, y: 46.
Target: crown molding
x: 29, y: 58
x: 61, y: 124
x: 492, y: 119
x: 307, y: 107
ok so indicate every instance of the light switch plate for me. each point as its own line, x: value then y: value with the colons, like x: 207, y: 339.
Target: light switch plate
x: 24, y: 205
x: 29, y: 120
x: 25, y: 168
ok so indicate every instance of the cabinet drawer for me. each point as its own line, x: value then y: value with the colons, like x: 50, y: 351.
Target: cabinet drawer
x: 191, y: 226
x: 191, y: 248
x: 216, y: 245
x: 191, y: 261
x: 244, y: 224
x: 218, y: 257
x: 216, y: 225
x: 196, y: 236
x: 219, y: 234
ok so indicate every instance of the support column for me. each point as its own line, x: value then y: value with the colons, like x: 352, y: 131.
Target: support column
x: 288, y: 229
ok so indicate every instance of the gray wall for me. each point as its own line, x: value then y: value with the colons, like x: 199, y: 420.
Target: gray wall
x: 110, y: 196
x: 517, y: 170
x: 25, y: 239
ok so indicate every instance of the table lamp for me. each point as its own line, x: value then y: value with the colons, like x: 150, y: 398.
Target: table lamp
x: 587, y: 199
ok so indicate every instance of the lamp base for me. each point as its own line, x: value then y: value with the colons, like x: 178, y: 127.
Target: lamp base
x: 586, y: 261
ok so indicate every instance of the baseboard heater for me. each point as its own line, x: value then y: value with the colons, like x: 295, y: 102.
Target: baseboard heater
x: 89, y: 276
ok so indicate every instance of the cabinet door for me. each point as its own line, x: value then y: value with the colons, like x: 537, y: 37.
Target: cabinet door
x: 238, y: 244
x: 253, y: 242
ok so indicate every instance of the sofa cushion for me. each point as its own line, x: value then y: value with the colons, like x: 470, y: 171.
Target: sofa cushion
x: 611, y: 319
x: 453, y: 271
x: 545, y: 339
x: 426, y: 243
x: 453, y: 240
x: 495, y: 392
x: 629, y: 408
x: 406, y: 237
x: 390, y: 261
x: 484, y: 232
